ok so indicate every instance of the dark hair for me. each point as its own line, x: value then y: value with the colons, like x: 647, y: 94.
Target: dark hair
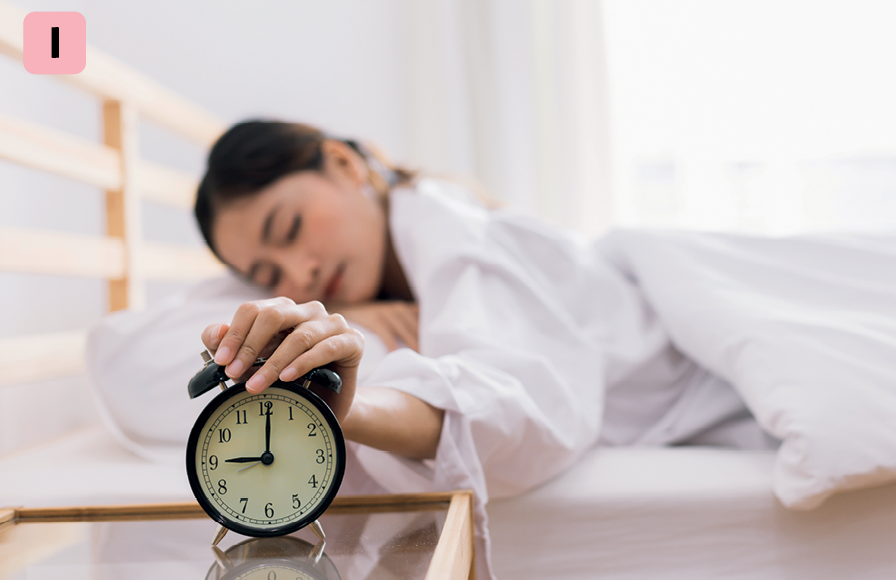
x: 254, y: 154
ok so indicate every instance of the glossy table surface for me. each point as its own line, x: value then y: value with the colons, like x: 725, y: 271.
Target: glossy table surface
x: 363, y: 541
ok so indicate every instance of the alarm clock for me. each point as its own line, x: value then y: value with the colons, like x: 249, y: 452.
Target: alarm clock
x: 265, y: 464
x: 268, y: 558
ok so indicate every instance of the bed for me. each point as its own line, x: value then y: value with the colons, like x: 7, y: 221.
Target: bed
x: 618, y: 513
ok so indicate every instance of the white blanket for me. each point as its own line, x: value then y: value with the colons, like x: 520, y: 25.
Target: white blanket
x: 805, y: 329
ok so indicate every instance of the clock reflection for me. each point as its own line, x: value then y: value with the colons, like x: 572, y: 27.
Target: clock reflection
x: 282, y: 558
x: 361, y: 546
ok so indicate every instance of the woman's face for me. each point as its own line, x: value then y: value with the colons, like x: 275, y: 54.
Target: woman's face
x: 310, y: 235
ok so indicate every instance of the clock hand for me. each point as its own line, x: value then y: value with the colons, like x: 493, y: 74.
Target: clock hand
x: 267, y: 429
x: 267, y: 457
x: 242, y: 460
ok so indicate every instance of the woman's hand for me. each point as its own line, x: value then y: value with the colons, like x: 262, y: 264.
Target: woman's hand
x: 392, y: 321
x: 296, y: 338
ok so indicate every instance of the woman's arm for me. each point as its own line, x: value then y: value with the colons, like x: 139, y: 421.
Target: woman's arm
x: 394, y: 421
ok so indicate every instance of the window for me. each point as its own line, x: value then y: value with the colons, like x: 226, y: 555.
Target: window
x: 764, y: 116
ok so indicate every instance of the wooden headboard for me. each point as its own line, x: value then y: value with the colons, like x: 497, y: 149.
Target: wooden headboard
x: 120, y: 256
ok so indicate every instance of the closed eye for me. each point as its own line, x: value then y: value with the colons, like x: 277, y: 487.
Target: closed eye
x: 294, y: 227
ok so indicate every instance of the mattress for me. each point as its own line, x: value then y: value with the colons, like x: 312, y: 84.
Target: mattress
x: 688, y: 513
x: 619, y: 513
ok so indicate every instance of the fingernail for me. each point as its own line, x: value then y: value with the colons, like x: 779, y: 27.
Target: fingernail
x: 235, y: 369
x: 222, y: 355
x: 289, y: 374
x: 254, y: 384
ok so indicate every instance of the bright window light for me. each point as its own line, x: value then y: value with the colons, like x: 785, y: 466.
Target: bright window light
x: 763, y: 116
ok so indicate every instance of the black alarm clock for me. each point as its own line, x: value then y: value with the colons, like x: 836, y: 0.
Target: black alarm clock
x: 265, y: 464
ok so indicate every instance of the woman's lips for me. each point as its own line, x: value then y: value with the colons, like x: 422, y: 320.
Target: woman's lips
x: 334, y: 283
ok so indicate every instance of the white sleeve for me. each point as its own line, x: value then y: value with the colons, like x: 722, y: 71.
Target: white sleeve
x: 501, y: 353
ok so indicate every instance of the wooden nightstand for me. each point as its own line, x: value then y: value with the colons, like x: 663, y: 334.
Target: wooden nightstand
x: 368, y: 537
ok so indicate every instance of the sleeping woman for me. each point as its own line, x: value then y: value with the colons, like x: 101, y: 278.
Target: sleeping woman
x: 514, y: 326
x: 513, y: 347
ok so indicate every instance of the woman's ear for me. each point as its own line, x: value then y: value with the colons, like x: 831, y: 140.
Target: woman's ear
x: 342, y: 161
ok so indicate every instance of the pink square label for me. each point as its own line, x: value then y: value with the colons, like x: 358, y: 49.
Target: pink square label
x: 55, y: 43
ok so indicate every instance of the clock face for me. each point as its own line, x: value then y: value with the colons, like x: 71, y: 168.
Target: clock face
x: 273, y: 572
x: 265, y: 464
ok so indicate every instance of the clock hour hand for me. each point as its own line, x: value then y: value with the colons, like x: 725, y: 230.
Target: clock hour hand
x: 242, y: 460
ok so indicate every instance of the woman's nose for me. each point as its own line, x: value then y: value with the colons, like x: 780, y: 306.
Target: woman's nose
x: 299, y: 278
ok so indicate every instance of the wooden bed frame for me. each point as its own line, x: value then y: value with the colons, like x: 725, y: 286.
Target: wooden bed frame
x: 121, y: 256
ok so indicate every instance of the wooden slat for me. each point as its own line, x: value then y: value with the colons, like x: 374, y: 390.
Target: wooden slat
x: 123, y: 206
x: 176, y: 262
x: 453, y: 558
x: 44, y: 252
x: 11, y: 30
x: 49, y: 150
x: 31, y: 251
x: 56, y: 152
x: 164, y: 185
x: 111, y: 80
x: 41, y: 357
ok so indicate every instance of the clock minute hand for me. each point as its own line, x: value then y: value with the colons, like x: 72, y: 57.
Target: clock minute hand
x: 267, y: 431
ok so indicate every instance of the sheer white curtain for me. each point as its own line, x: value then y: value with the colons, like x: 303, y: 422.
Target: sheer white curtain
x: 513, y: 93
x: 763, y: 116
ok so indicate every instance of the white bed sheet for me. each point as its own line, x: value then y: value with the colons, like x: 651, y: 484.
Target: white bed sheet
x: 619, y: 513
x: 688, y: 513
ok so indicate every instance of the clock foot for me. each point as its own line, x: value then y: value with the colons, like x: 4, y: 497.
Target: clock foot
x: 316, y: 552
x: 219, y: 535
x: 317, y: 529
x: 221, y: 558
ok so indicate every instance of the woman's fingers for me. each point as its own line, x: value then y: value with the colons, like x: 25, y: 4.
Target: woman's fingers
x: 253, y: 327
x: 212, y: 335
x: 345, y: 351
x: 319, y: 342
x: 291, y: 336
